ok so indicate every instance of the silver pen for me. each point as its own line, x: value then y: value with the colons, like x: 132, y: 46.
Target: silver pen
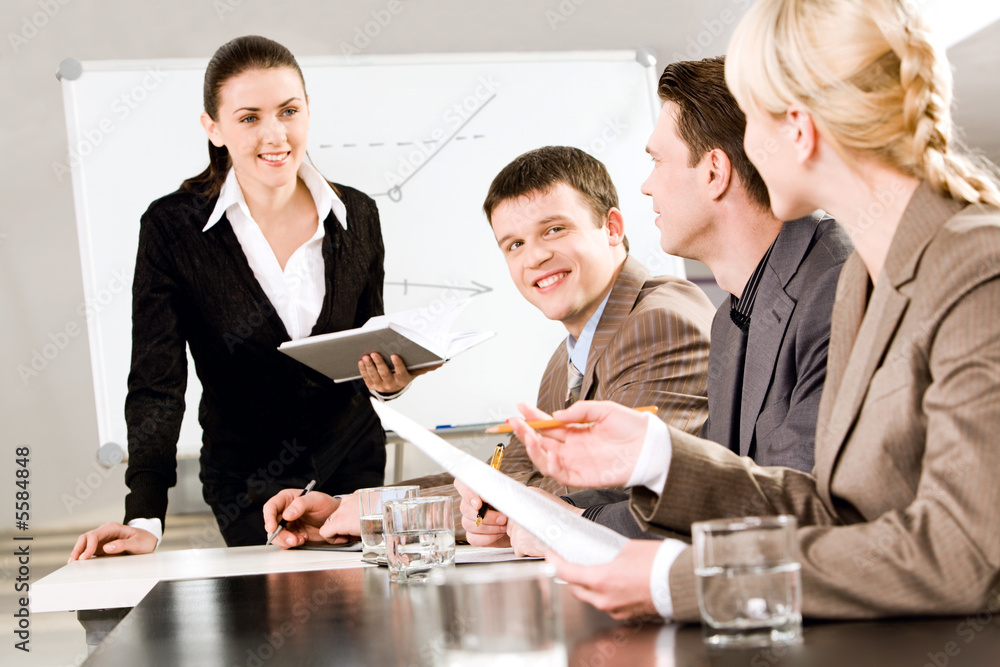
x: 281, y: 524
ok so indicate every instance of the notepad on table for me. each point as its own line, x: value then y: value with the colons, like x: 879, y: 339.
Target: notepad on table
x: 421, y: 337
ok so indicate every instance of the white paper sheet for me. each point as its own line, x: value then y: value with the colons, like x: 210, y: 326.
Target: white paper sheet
x: 574, y: 538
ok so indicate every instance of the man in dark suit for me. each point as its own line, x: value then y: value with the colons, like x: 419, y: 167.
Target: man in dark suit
x: 769, y: 338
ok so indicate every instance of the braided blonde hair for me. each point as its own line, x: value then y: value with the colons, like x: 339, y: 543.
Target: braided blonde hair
x: 872, y: 80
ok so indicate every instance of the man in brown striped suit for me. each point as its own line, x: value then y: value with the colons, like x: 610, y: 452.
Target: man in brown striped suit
x: 633, y: 339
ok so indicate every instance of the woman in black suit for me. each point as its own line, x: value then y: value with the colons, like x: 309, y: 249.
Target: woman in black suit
x: 256, y: 250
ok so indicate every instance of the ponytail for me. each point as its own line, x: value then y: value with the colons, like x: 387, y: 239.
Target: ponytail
x: 870, y: 77
x: 925, y: 79
x: 209, y: 182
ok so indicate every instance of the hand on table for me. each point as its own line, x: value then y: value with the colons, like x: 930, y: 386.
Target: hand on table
x: 344, y: 524
x: 601, y: 453
x: 621, y: 587
x: 112, y: 539
x: 379, y: 377
x: 305, y: 515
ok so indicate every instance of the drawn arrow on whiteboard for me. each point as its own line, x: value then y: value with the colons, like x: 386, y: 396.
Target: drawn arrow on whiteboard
x: 476, y: 291
x: 395, y: 193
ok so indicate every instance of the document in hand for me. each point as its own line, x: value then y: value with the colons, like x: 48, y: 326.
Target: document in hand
x: 574, y: 538
x: 422, y: 337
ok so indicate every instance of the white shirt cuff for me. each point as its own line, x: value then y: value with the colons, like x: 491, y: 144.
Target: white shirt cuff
x: 389, y: 397
x: 654, y: 459
x: 149, y: 525
x: 659, y: 576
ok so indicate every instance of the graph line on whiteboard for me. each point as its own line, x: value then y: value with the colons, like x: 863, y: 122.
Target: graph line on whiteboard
x: 476, y: 291
x: 395, y: 193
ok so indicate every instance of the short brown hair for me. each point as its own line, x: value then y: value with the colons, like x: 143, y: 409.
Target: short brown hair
x: 540, y: 169
x: 709, y: 118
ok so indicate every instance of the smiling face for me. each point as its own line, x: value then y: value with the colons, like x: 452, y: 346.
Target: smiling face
x: 678, y: 190
x: 559, y: 259
x: 263, y: 120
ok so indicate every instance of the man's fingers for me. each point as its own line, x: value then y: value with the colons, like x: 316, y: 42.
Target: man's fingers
x: 332, y: 529
x: 483, y: 528
x: 288, y: 539
x: 295, y: 509
x: 468, y: 495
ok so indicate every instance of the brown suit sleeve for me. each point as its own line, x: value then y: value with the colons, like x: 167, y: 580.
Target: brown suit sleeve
x: 883, y: 549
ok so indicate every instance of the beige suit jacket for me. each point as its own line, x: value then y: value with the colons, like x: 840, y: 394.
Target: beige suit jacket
x: 650, y: 348
x: 901, y: 514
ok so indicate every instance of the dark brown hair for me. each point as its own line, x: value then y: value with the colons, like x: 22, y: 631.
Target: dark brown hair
x: 242, y: 54
x: 540, y: 169
x: 709, y: 118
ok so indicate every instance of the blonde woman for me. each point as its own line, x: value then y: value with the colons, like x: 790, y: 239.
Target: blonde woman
x: 847, y: 106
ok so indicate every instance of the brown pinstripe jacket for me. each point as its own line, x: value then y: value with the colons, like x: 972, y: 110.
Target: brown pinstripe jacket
x: 650, y: 348
x: 901, y: 514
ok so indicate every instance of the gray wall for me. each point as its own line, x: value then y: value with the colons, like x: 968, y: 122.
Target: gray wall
x: 41, y: 298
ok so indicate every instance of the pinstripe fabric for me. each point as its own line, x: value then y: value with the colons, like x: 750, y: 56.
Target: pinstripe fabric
x: 901, y: 514
x: 650, y: 348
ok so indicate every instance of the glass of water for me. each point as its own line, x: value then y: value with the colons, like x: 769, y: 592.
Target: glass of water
x: 419, y: 536
x: 370, y: 509
x: 499, y: 614
x: 749, y: 581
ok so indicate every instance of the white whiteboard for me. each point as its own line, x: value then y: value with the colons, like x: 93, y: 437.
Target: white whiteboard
x: 424, y: 135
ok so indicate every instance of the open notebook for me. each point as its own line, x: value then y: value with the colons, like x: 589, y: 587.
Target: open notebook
x: 422, y: 337
x: 574, y: 538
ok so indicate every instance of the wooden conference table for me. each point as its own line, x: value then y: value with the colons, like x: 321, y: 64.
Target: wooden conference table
x: 258, y: 606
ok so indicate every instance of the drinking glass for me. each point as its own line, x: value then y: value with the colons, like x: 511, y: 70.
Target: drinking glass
x: 419, y: 536
x: 370, y: 508
x: 500, y: 614
x: 749, y: 581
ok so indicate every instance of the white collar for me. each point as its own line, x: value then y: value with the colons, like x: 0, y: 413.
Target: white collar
x: 323, y: 195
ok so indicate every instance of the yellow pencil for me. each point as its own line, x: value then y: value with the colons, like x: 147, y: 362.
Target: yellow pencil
x: 539, y: 424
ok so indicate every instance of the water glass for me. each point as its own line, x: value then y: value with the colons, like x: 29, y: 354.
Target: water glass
x: 370, y: 509
x: 749, y: 581
x: 501, y: 614
x: 419, y: 536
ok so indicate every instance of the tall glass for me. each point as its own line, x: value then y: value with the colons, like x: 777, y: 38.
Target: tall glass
x: 370, y: 509
x: 499, y: 614
x: 419, y: 536
x: 749, y: 581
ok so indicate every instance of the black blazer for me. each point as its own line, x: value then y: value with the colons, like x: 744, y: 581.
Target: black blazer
x: 259, y: 408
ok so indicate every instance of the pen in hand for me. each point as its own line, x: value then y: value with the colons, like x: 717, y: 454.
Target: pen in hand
x: 495, y: 464
x: 539, y: 424
x: 282, y: 522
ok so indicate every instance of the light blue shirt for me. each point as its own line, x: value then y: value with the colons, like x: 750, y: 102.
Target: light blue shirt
x: 579, y: 349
